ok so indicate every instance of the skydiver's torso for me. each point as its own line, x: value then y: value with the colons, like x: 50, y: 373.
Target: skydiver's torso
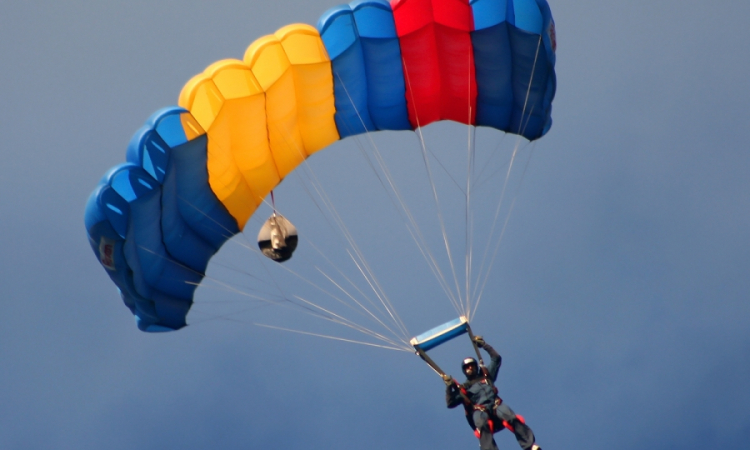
x: 480, y: 391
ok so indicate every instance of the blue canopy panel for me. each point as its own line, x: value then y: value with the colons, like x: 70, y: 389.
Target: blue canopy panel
x: 154, y: 223
x: 514, y: 53
x: 440, y: 334
x: 339, y: 34
x: 385, y: 73
x: 365, y: 57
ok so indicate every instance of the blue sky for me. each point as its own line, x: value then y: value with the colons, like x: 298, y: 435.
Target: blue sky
x: 619, y: 297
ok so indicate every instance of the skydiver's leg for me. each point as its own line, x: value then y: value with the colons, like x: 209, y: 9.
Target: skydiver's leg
x: 523, y: 433
x: 486, y: 440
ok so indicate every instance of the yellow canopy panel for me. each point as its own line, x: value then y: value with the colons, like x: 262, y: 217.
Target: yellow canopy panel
x: 264, y: 115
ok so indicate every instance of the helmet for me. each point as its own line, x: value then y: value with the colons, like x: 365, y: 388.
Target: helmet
x: 468, y: 362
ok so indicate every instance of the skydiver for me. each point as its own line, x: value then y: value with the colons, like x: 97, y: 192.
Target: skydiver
x: 485, y: 411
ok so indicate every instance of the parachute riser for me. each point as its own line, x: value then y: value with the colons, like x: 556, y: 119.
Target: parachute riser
x: 433, y: 365
x: 484, y: 370
x: 474, y: 344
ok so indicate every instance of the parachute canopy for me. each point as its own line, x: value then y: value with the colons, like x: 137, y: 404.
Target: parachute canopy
x: 196, y: 173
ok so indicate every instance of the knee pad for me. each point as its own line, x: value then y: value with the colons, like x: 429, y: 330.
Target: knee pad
x: 509, y: 425
x: 490, y: 425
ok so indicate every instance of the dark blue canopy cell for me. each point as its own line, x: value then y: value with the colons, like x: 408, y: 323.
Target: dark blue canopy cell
x: 154, y: 222
x: 366, y: 62
x: 514, y: 51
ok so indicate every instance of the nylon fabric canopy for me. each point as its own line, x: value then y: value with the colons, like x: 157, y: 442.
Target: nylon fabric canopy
x: 197, y: 172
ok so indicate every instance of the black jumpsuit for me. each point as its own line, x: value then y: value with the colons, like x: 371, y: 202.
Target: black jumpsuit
x: 485, y: 405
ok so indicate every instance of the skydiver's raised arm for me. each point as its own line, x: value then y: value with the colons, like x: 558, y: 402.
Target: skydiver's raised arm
x: 495, y: 359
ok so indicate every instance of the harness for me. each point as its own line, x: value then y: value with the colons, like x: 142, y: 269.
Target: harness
x: 484, y: 378
x: 470, y: 407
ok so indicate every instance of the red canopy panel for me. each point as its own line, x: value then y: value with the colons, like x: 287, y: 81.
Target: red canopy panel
x: 438, y: 59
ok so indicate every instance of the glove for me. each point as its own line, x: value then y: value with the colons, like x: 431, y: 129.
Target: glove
x: 447, y: 379
x: 479, y: 341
